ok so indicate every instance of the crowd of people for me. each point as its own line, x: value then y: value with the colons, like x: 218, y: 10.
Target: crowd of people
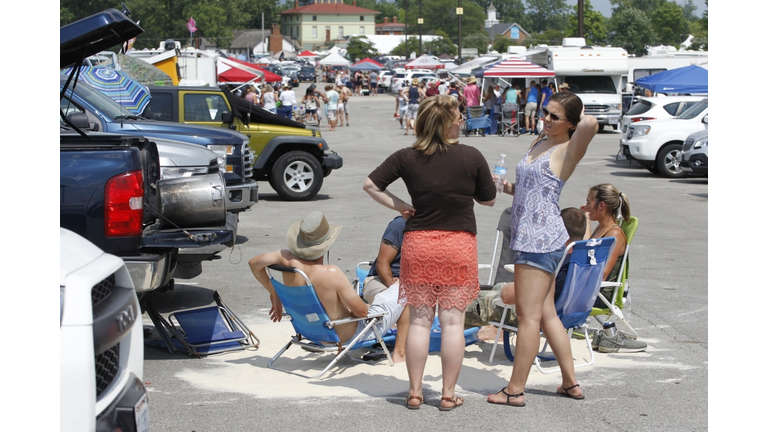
x: 427, y: 263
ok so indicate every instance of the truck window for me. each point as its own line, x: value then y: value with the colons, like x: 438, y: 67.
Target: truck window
x: 590, y: 84
x: 204, y: 108
x: 160, y: 107
x: 101, y: 102
x: 67, y: 107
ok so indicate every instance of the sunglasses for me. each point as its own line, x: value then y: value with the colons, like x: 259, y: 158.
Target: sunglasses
x: 553, y: 117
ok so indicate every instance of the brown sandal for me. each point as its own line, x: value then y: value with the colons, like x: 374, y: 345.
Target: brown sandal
x: 414, y: 407
x: 455, y: 400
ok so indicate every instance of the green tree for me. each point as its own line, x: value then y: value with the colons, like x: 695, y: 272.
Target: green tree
x: 547, y: 14
x: 689, y: 11
x: 441, y: 15
x: 268, y: 7
x: 441, y: 45
x: 595, y: 30
x: 359, y: 47
x: 668, y: 23
x: 632, y: 30
x: 388, y: 9
x: 549, y: 37
x: 501, y: 43
x: 647, y: 6
x: 701, y: 31
x: 479, y: 40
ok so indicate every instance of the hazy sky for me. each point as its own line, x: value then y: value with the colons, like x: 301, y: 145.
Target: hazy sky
x: 604, y: 6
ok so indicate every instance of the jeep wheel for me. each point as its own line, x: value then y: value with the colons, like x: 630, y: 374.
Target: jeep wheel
x: 668, y: 161
x: 297, y: 176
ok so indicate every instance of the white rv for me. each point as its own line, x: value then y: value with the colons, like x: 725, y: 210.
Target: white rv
x: 595, y: 74
x: 662, y: 58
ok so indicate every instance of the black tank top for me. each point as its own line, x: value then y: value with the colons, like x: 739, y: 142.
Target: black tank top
x: 413, y: 95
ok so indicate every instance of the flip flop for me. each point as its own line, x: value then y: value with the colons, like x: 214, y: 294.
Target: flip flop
x: 509, y: 396
x: 566, y: 392
x: 455, y: 400
x: 414, y: 407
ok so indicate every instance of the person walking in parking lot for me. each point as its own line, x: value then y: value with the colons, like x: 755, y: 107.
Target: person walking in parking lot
x: 373, y: 80
x: 532, y: 103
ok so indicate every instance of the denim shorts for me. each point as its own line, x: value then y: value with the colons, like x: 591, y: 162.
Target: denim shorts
x: 546, y: 261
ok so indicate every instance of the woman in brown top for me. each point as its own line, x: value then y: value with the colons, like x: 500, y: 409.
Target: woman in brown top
x: 438, y: 264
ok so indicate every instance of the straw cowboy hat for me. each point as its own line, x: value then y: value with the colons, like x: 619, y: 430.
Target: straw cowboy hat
x: 564, y: 86
x: 415, y: 81
x: 472, y: 79
x: 311, y: 237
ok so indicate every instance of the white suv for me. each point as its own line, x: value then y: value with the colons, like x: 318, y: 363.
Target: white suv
x: 101, y: 342
x: 657, y: 144
x: 421, y: 74
x: 656, y: 108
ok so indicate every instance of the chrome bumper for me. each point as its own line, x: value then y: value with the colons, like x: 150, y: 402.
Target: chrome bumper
x: 241, y: 197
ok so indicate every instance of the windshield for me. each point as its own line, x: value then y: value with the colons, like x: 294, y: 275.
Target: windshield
x: 590, y: 84
x: 695, y: 110
x: 101, y: 102
x: 308, y: 69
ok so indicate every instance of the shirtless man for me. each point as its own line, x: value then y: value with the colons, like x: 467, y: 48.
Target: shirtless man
x: 308, y: 241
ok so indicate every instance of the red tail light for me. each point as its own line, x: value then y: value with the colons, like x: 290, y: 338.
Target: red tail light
x: 637, y: 119
x: 124, y: 204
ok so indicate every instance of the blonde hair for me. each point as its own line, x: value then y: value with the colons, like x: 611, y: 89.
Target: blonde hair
x: 268, y: 88
x: 433, y: 121
x: 615, y: 200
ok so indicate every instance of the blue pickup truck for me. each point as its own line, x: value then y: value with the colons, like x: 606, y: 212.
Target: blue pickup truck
x: 111, y: 190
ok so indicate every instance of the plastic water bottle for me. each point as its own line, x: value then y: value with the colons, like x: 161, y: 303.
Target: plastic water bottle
x: 500, y: 173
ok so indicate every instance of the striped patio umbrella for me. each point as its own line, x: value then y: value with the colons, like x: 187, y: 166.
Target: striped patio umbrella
x: 117, y: 85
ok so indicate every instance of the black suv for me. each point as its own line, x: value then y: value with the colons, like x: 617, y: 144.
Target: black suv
x: 307, y: 73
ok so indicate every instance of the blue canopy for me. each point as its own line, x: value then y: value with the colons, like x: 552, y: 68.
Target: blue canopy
x: 365, y: 66
x: 689, y: 79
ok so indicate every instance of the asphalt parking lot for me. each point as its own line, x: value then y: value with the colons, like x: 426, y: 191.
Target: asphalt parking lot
x: 664, y: 388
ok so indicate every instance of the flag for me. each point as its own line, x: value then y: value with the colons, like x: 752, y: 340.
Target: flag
x: 191, y: 25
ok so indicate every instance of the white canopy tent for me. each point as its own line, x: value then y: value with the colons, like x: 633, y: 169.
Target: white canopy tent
x: 335, y: 59
x: 425, y: 62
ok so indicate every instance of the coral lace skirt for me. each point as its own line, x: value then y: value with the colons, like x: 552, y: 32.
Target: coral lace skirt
x: 438, y: 267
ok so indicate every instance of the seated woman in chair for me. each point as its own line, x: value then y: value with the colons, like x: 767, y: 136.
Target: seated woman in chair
x: 606, y: 205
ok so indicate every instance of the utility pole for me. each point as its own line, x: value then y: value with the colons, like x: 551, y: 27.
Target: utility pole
x: 581, y: 18
x: 421, y: 21
x: 459, y: 13
x: 406, y: 30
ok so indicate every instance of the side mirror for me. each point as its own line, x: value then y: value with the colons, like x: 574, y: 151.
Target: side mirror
x: 79, y: 120
x: 705, y: 120
x: 227, y: 117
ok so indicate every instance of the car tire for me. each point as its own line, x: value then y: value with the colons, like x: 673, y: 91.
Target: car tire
x: 600, y: 128
x: 668, y: 161
x: 297, y: 176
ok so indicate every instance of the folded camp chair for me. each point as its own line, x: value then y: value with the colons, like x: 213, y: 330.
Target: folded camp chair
x: 621, y: 287
x: 202, y: 331
x: 361, y: 272
x: 582, y: 283
x: 314, y: 329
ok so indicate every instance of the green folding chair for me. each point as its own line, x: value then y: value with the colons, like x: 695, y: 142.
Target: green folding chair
x: 621, y: 287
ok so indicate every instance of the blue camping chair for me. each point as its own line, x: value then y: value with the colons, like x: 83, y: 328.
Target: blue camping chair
x: 476, y: 120
x: 582, y: 283
x: 314, y: 329
x: 202, y: 331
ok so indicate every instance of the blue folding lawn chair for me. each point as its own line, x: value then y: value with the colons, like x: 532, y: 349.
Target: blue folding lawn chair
x: 202, y: 331
x: 315, y: 330
x: 582, y: 283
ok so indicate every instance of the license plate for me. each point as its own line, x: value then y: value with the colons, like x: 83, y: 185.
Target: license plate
x: 613, y: 121
x: 141, y: 412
